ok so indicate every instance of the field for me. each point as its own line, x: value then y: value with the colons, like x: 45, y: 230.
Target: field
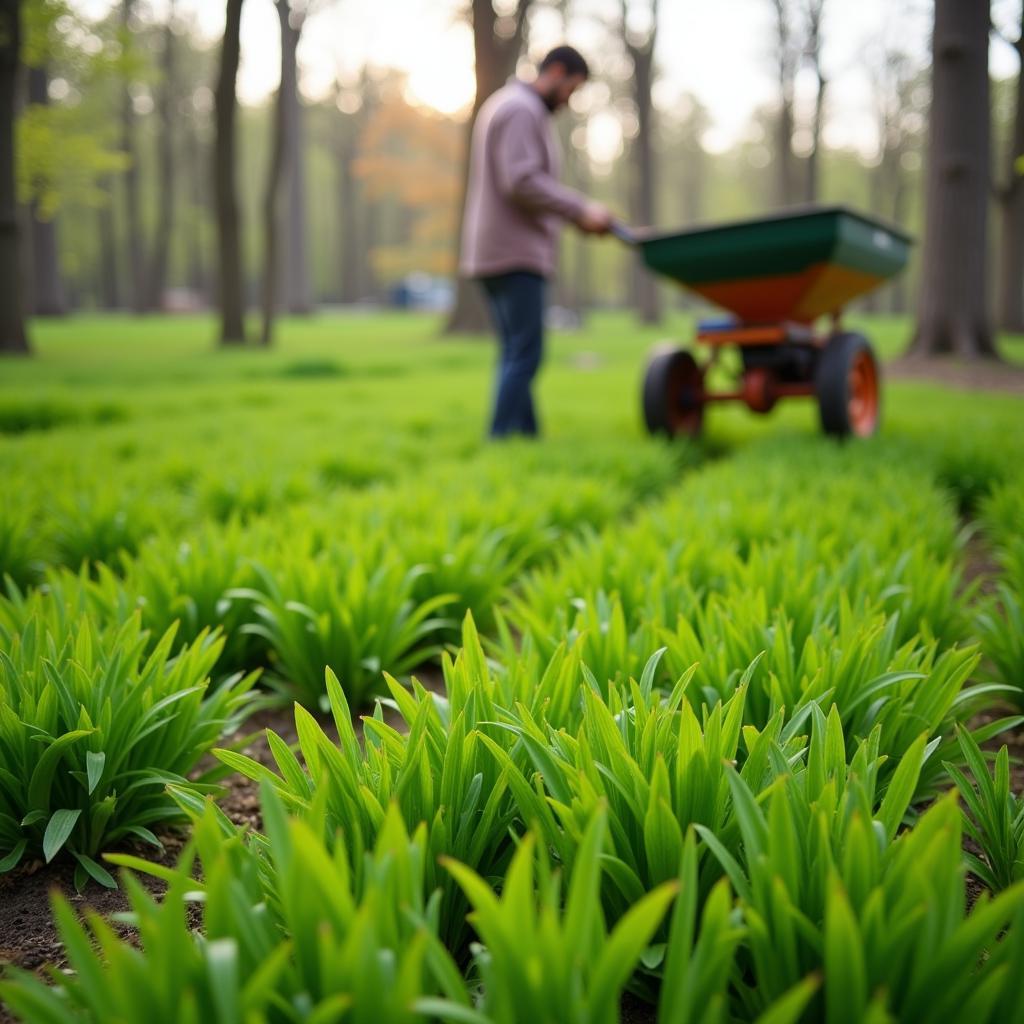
x: 337, y: 712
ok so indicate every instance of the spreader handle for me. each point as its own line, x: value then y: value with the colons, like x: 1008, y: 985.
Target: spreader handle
x: 623, y: 233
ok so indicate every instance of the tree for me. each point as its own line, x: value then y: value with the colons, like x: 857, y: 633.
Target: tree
x: 952, y: 313
x: 345, y: 136
x: 67, y: 151
x: 496, y: 54
x: 1010, y: 200
x: 198, y: 206
x: 46, y: 288
x: 814, y: 11
x: 195, y: 216
x: 896, y: 84
x: 156, y: 283
x: 109, y: 281
x: 787, y: 62
x: 685, y: 150
x: 286, y: 280
x: 274, y: 266
x: 411, y: 156
x: 13, y: 337
x: 230, y: 296
x: 343, y: 124
x: 296, y: 284
x: 132, y: 209
x: 797, y: 40
x: 640, y: 47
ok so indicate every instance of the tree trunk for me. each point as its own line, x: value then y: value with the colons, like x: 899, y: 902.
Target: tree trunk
x: 644, y: 186
x: 898, y: 302
x: 275, y: 270
x: 815, y: 11
x: 109, y: 277
x: 1011, y: 217
x: 582, y: 268
x: 13, y: 338
x: 496, y: 58
x: 132, y: 212
x: 369, y: 284
x: 197, y: 274
x: 564, y: 290
x: 813, y: 185
x: 228, y: 228
x: 952, y: 310
x: 166, y: 178
x: 299, y: 299
x: 45, y: 287
x: 349, y: 248
x: 786, y: 71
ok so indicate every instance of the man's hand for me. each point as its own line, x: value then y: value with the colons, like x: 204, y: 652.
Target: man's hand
x: 596, y: 219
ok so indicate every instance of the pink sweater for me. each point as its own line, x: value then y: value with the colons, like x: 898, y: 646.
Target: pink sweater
x: 515, y: 203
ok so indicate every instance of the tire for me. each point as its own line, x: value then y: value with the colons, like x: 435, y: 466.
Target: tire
x: 848, y: 386
x: 673, y: 394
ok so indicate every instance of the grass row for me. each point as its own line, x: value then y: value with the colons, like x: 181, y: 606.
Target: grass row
x: 693, y: 738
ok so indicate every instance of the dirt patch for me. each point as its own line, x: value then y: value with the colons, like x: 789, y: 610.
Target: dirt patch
x: 1013, y: 740
x: 978, y: 375
x: 979, y: 565
x: 28, y: 937
x: 636, y: 1011
x: 241, y: 800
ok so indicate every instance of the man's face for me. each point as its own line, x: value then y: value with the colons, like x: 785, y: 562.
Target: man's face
x: 559, y: 87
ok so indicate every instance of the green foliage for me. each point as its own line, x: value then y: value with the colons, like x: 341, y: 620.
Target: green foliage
x: 61, y: 163
x: 732, y: 535
x: 335, y: 611
x: 92, y: 728
x: 64, y: 150
x: 437, y: 773
x: 1000, y: 625
x: 1000, y: 618
x: 550, y: 961
x: 744, y: 682
x: 993, y: 817
x: 187, y: 580
x: 323, y: 945
x: 99, y: 526
x: 20, y: 550
x: 823, y: 885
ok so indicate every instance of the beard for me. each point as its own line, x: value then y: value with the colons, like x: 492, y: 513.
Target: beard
x: 551, y: 100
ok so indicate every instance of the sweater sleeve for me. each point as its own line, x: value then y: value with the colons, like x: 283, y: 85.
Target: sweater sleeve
x: 519, y: 168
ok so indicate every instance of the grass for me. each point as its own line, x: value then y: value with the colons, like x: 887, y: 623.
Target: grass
x: 694, y: 728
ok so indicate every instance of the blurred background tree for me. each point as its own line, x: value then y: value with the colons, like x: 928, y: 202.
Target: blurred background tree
x: 140, y: 182
x: 953, y: 311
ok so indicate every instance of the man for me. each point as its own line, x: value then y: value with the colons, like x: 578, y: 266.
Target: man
x: 514, y: 209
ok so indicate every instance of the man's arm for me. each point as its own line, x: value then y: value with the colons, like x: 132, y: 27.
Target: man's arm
x: 520, y: 172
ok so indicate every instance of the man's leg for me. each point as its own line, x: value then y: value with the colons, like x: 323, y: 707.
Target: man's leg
x: 517, y: 305
x: 503, y: 415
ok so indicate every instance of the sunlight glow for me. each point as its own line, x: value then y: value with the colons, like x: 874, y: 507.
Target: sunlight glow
x: 442, y: 77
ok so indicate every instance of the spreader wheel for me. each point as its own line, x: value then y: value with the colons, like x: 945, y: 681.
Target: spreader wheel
x: 848, y: 387
x: 674, y: 394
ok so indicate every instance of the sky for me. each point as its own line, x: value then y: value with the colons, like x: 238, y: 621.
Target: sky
x: 718, y: 50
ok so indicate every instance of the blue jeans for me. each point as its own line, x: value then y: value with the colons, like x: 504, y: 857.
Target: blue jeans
x: 517, y: 308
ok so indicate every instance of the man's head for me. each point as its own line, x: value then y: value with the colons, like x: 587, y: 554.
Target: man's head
x: 560, y: 74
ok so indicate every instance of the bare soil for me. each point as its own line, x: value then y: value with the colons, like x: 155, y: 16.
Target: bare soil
x: 979, y: 565
x: 28, y: 936
x: 976, y: 375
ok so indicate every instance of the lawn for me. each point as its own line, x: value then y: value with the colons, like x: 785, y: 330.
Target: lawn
x: 557, y: 731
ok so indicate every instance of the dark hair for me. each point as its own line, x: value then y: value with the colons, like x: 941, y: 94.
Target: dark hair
x: 570, y: 59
